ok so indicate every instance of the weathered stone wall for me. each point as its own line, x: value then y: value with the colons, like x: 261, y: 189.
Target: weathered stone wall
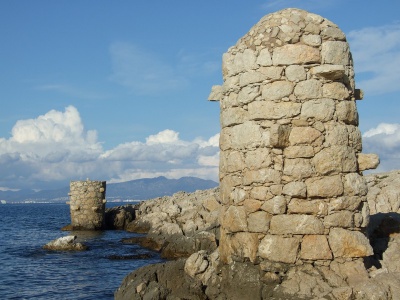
x: 291, y: 163
x: 87, y: 204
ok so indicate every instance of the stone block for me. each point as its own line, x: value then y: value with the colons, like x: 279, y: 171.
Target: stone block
x: 247, y: 94
x: 330, y: 72
x: 245, y: 135
x: 279, y: 249
x: 273, y: 73
x: 367, y: 161
x: 277, y: 90
x: 233, y: 116
x: 298, y: 168
x: 343, y: 219
x: 336, y: 134
x: 319, y: 109
x: 296, y: 224
x: 332, y: 33
x: 314, y: 207
x: 298, y: 151
x: 264, y: 58
x: 346, y: 243
x: 261, y: 176
x: 259, y: 221
x: 232, y: 161
x: 305, y: 136
x: 335, y: 159
x: 295, y: 189
x: 295, y: 55
x: 275, y: 206
x: 260, y: 193
x: 258, y: 158
x: 335, y: 53
x: 269, y: 110
x: 238, y: 195
x: 355, y: 185
x: 346, y: 112
x: 308, y: 89
x: 335, y: 90
x: 347, y: 202
x: 315, y: 247
x: 245, y: 245
x: 325, y: 187
x: 279, y: 135
x: 235, y: 219
x: 311, y: 39
x: 216, y: 93
x: 252, y: 205
x: 295, y: 73
x: 245, y: 61
x: 251, y: 77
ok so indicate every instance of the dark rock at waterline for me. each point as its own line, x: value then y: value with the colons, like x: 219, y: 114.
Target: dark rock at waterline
x: 119, y: 217
x: 160, y: 281
x: 68, y: 227
x: 131, y: 256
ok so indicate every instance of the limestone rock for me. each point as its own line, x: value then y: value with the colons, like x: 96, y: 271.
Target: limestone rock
x: 66, y: 243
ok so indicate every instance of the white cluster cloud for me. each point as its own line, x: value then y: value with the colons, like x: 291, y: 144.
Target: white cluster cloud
x: 376, y: 50
x: 384, y: 140
x: 56, y: 147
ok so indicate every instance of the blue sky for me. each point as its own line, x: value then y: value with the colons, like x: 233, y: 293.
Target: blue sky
x: 117, y: 90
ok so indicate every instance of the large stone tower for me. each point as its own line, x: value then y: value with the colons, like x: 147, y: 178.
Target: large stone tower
x: 291, y: 162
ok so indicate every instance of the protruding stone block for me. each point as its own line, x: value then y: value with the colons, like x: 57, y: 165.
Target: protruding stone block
x: 279, y: 136
x: 367, y: 161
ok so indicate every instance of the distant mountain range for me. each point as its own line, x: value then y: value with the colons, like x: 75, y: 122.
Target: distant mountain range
x: 140, y: 189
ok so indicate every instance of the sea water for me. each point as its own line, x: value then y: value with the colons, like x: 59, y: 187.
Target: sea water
x: 27, y: 271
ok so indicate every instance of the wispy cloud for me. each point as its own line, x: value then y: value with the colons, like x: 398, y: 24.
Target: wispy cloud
x: 384, y: 140
x: 55, y: 147
x: 70, y: 91
x: 376, y: 52
x: 145, y: 72
x: 142, y: 71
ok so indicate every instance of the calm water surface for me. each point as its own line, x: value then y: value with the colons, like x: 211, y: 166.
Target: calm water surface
x: 29, y: 272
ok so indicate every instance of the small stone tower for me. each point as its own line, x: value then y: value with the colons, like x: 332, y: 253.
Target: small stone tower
x: 290, y: 162
x: 87, y: 204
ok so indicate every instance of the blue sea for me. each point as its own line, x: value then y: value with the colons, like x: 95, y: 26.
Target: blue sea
x: 29, y: 272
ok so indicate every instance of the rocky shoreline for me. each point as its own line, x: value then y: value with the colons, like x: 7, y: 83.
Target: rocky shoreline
x: 185, y: 228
